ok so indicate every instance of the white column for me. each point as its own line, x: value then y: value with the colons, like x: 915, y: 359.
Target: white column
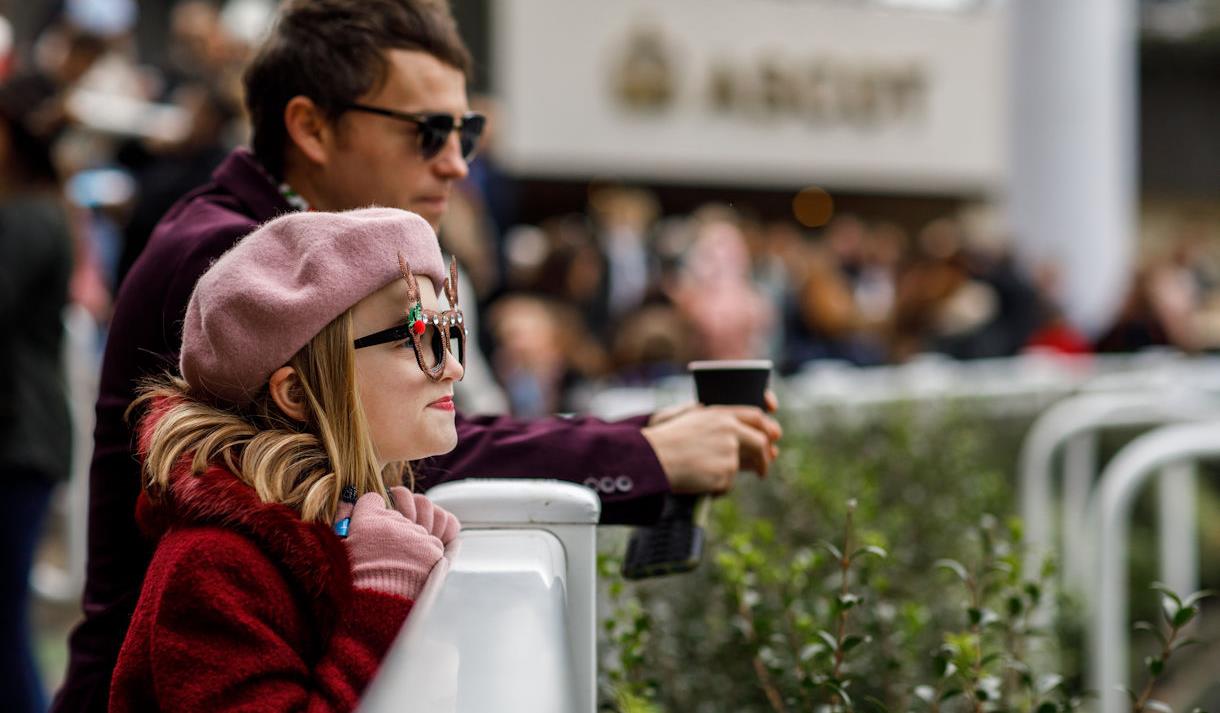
x: 1073, y: 187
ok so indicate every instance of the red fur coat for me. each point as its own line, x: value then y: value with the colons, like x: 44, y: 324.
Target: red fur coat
x: 246, y: 607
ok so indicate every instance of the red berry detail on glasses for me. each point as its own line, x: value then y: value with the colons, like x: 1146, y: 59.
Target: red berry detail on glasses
x: 418, y: 327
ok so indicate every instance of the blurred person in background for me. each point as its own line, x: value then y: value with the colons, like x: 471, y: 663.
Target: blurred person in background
x: 1161, y: 305
x: 623, y: 217
x: 822, y: 319
x: 164, y: 171
x: 654, y: 344
x: 36, y: 252
x: 714, y: 291
x: 356, y: 102
x: 1054, y: 333
x: 542, y: 353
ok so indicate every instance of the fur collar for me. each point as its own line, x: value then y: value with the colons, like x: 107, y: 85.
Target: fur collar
x: 311, y: 555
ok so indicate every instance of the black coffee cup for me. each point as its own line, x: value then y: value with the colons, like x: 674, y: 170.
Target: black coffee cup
x: 675, y: 543
x: 731, y: 382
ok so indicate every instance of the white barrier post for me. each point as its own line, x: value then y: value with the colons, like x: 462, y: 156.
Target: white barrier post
x: 1110, y: 515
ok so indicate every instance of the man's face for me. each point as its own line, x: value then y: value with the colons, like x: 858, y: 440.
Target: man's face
x: 375, y: 159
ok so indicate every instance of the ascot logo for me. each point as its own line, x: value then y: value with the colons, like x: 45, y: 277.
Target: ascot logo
x: 644, y: 76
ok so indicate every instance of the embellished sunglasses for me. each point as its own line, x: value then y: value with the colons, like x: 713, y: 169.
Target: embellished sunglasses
x: 432, y: 335
x: 434, y: 128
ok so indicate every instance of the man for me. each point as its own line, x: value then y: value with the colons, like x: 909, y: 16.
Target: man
x: 355, y: 102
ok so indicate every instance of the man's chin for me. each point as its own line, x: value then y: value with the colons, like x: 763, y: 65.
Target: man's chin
x: 432, y: 211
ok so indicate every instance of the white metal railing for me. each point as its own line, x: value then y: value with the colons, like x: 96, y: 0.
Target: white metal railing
x: 1166, y: 452
x: 510, y: 626
x: 1073, y: 426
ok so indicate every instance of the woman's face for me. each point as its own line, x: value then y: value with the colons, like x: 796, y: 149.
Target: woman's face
x: 410, y: 415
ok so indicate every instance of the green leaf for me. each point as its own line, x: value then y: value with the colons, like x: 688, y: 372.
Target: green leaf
x: 847, y: 601
x: 1169, y: 610
x: 1047, y: 707
x: 982, y: 617
x: 1000, y: 568
x: 991, y: 657
x: 1049, y: 682
x: 840, y: 692
x: 1194, y: 599
x: 1015, y: 606
x: 1155, y: 665
x: 1158, y: 706
x: 1033, y: 591
x: 828, y: 639
x: 852, y: 642
x: 953, y: 566
x: 812, y: 651
x: 871, y: 550
x: 1184, y: 616
x: 1184, y: 643
x: 950, y: 694
x: 1155, y: 631
x: 1166, y: 591
x: 834, y: 551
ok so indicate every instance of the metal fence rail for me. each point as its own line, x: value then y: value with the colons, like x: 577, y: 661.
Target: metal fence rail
x: 1163, y: 453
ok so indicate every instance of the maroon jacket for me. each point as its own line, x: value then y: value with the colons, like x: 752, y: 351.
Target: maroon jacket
x: 144, y: 339
x: 246, y: 607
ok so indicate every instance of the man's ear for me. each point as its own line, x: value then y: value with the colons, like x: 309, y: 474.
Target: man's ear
x: 309, y: 129
x: 286, y: 392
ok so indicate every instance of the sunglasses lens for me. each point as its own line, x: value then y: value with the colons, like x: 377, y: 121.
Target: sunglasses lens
x: 457, y: 344
x: 472, y: 129
x: 430, y: 340
x: 433, y: 133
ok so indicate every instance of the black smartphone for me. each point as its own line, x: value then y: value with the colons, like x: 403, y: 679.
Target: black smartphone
x: 673, y: 545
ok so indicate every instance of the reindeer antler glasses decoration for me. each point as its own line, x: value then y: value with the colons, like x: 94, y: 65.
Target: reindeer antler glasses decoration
x: 433, y: 335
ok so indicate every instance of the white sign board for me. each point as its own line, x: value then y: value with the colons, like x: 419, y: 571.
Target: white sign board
x: 752, y: 92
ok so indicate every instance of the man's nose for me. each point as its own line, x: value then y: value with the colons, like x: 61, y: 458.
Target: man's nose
x: 449, y: 162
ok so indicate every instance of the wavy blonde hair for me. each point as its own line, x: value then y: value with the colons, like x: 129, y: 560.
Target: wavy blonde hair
x: 304, y: 465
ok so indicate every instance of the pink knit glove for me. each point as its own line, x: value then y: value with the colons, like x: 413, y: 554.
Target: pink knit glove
x: 389, y: 553
x: 427, y: 514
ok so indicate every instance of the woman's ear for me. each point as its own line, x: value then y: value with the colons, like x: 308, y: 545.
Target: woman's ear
x: 308, y: 128
x: 286, y: 392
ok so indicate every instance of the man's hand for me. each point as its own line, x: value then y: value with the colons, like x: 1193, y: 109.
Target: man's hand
x: 701, y: 448
x: 670, y: 412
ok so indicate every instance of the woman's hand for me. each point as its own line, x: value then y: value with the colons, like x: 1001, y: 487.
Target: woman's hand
x: 432, y: 517
x: 389, y: 553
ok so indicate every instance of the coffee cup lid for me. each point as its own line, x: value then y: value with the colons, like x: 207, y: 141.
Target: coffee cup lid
x: 729, y: 364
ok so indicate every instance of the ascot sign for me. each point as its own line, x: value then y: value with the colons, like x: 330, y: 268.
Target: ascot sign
x: 820, y: 90
x: 761, y: 92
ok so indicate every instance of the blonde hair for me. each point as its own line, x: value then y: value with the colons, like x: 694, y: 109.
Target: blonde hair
x: 304, y: 465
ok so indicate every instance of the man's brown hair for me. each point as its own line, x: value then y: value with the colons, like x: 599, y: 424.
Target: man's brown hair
x: 333, y: 52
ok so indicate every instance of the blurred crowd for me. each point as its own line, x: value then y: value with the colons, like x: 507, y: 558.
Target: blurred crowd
x: 621, y: 293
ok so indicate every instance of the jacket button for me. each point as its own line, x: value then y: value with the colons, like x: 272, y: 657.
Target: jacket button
x: 624, y: 484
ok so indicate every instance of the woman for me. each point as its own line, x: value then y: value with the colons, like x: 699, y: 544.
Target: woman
x: 35, y: 425
x: 314, y: 366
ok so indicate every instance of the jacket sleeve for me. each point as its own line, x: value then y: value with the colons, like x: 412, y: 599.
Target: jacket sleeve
x: 227, y: 637
x: 613, y: 458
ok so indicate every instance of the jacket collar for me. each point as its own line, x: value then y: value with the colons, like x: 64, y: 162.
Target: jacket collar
x: 310, y: 553
x: 243, y: 176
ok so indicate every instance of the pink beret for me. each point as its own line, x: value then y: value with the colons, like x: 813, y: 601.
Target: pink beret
x: 264, y: 299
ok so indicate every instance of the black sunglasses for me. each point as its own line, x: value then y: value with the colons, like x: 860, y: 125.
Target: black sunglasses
x: 444, y: 333
x: 434, y: 128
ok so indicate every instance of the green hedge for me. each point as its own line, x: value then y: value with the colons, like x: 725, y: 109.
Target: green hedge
x: 876, y: 569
